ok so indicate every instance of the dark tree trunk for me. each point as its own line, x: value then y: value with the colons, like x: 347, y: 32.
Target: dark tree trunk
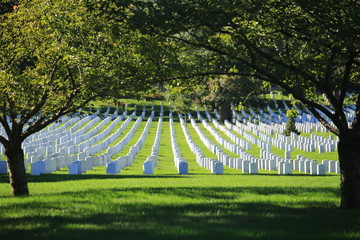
x: 15, y: 161
x: 225, y: 112
x: 349, y: 157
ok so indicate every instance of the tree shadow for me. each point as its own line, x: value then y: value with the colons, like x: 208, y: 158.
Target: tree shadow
x: 67, y: 177
x: 54, y: 177
x: 211, y: 213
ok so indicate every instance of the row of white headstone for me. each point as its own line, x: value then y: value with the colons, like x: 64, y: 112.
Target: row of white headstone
x: 68, y: 154
x: 44, y: 158
x: 208, y: 143
x: 238, y: 141
x: 243, y: 131
x: 152, y: 161
x: 246, y: 162
x: 80, y: 151
x: 81, y: 161
x: 234, y: 148
x: 270, y: 161
x: 285, y: 143
x: 180, y: 163
x: 115, y: 166
x: 59, y: 135
x: 305, y: 121
x: 212, y: 164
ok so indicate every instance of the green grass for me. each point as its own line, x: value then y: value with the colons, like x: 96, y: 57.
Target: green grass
x: 169, y: 206
x: 165, y: 205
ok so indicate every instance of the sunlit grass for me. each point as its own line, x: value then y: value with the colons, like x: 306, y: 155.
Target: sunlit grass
x: 170, y: 206
x: 165, y: 205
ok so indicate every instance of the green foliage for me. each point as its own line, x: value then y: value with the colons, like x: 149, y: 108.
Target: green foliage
x: 292, y: 113
x: 180, y: 99
x: 290, y: 127
x: 307, y: 48
x: 290, y: 124
x: 230, y: 89
x: 56, y: 57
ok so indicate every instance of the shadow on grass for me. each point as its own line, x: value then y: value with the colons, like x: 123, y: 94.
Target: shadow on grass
x: 201, y: 213
x: 53, y: 177
x: 4, y: 178
x: 64, y: 177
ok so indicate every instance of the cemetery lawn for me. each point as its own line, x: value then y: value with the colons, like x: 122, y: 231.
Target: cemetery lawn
x: 168, y: 206
x: 171, y: 206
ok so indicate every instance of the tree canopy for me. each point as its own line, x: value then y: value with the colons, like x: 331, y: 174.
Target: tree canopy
x: 57, y: 56
x: 302, y: 46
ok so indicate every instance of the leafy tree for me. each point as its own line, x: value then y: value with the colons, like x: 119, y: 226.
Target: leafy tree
x: 309, y: 48
x: 224, y: 90
x: 290, y: 124
x: 181, y: 99
x: 55, y: 57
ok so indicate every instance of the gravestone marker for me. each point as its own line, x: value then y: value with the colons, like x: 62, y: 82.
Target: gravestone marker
x: 321, y: 169
x: 182, y: 167
x: 245, y: 166
x: 37, y: 168
x: 253, y: 168
x: 148, y: 167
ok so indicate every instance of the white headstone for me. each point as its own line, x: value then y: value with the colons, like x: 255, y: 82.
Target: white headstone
x: 73, y: 169
x: 287, y: 154
x: 182, y: 167
x: 287, y: 168
x: 326, y: 164
x: 148, y: 167
x: 337, y: 167
x: 307, y: 166
x: 37, y: 168
x: 281, y: 168
x: 332, y: 166
x: 272, y: 165
x: 301, y: 165
x: 321, y: 169
x: 245, y: 166
x: 112, y: 167
x: 313, y: 168
x: 253, y: 168
x: 218, y: 168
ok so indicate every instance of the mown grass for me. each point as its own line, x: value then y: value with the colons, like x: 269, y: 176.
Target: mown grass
x: 169, y: 206
x: 166, y: 205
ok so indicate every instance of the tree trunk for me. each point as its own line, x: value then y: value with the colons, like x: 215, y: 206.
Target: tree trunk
x: 15, y: 161
x: 349, y: 157
x: 225, y: 112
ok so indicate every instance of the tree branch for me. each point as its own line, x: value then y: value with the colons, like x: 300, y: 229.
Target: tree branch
x: 329, y: 68
x: 4, y: 142
x: 346, y: 77
x: 356, y: 122
x: 324, y: 122
x: 269, y: 77
x: 5, y: 125
x: 44, y: 122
